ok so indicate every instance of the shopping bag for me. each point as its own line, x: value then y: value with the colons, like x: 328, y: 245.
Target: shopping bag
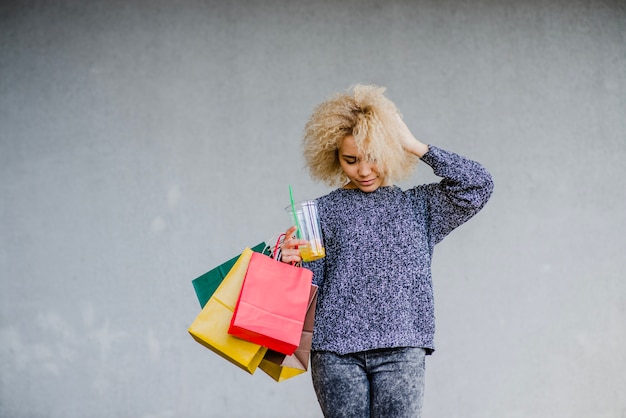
x: 206, y: 284
x: 281, y: 367
x: 272, y: 304
x: 210, y: 328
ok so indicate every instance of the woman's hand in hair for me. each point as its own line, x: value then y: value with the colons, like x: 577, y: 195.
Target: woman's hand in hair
x: 408, y: 140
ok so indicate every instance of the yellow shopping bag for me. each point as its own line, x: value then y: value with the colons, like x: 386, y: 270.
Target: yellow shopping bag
x: 210, y: 328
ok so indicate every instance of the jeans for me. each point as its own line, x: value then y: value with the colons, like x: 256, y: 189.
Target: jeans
x: 384, y: 383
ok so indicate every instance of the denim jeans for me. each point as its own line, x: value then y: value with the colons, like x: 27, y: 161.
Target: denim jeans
x: 385, y: 383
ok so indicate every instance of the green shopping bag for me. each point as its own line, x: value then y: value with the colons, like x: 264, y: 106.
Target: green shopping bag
x: 206, y: 284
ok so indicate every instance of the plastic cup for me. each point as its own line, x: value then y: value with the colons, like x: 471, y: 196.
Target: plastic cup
x: 307, y: 221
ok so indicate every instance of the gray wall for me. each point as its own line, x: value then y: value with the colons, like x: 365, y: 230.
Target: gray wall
x: 144, y: 142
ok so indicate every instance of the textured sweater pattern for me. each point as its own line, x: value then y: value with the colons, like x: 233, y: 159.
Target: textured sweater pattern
x: 375, y: 286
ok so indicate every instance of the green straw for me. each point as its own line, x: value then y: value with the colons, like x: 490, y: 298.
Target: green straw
x: 293, y: 212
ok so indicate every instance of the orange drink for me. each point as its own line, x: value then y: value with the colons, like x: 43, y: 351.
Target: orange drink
x: 312, y: 252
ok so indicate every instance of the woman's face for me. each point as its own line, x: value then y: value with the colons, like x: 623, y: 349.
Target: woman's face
x: 363, y: 174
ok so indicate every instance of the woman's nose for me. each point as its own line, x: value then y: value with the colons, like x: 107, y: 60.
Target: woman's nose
x: 364, y: 168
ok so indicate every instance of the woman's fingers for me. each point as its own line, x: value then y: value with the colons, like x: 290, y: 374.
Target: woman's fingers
x: 289, y: 250
x: 290, y: 258
x: 291, y: 241
x: 290, y: 254
x: 290, y: 233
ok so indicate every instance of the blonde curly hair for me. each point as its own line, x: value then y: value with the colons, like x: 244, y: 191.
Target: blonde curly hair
x: 371, y: 118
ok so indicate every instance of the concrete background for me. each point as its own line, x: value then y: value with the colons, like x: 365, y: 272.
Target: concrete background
x: 144, y: 142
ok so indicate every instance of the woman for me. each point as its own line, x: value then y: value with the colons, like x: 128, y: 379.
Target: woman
x: 374, y: 321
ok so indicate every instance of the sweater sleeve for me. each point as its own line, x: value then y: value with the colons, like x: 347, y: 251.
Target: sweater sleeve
x: 464, y: 190
x: 317, y: 267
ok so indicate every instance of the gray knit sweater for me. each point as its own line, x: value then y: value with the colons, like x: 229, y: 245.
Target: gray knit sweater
x: 375, y: 287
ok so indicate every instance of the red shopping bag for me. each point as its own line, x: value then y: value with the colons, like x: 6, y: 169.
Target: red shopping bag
x: 272, y: 304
